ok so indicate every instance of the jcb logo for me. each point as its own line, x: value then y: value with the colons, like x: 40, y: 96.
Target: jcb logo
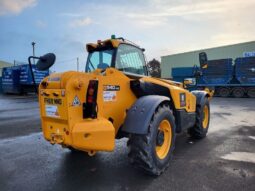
x: 111, y: 88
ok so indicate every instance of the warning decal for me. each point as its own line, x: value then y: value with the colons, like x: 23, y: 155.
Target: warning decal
x: 51, y: 110
x: 109, y: 95
x: 76, y: 101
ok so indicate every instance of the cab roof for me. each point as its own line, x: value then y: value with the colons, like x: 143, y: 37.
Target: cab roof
x: 111, y: 43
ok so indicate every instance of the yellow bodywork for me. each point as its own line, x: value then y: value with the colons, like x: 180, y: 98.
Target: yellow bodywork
x: 67, y: 127
x: 210, y: 92
x: 61, y: 97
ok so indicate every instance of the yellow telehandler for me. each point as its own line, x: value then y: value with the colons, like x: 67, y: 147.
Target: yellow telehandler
x: 114, y: 98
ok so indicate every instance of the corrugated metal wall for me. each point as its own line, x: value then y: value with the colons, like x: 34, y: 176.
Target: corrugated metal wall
x: 191, y: 58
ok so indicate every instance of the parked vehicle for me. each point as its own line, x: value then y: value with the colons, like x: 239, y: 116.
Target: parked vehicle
x: 115, y: 98
x: 226, y: 78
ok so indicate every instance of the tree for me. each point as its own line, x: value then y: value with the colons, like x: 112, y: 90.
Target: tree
x: 154, y: 68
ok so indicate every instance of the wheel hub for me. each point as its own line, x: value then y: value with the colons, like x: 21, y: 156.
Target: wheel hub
x: 160, y: 138
x: 163, y: 139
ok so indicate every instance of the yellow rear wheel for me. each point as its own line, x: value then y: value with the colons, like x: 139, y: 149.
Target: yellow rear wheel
x: 152, y: 152
x: 164, y: 139
x: 206, y: 116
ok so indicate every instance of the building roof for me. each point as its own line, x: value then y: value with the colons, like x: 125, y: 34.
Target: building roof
x: 206, y: 49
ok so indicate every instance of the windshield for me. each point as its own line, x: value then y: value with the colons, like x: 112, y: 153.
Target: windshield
x: 99, y: 59
x: 130, y: 59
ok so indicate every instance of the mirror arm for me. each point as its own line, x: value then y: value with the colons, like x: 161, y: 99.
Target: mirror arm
x: 31, y: 70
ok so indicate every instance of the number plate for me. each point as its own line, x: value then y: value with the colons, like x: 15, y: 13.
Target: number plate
x: 52, y: 101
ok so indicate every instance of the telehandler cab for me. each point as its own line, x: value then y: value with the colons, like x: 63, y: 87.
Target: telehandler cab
x: 114, y: 98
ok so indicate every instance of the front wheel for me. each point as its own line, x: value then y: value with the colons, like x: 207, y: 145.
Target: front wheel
x: 200, y: 129
x: 152, y: 152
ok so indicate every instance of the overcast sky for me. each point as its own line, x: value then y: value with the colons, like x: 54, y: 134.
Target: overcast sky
x: 162, y: 27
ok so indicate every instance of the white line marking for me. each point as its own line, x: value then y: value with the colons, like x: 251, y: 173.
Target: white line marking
x: 240, y: 156
x: 252, y: 137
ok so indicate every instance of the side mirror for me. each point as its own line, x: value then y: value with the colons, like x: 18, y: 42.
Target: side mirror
x: 203, y: 60
x: 188, y: 82
x: 46, y: 61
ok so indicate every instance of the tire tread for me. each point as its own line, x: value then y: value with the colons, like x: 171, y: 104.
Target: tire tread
x: 140, y: 149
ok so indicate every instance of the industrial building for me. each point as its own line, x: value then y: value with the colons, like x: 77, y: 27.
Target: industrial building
x: 2, y: 65
x: 189, y: 59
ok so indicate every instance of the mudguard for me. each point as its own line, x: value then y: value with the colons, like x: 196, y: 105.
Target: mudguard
x: 200, y: 95
x: 140, y: 114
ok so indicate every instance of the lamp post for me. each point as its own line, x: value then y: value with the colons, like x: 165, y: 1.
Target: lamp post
x: 77, y: 64
x: 33, y: 45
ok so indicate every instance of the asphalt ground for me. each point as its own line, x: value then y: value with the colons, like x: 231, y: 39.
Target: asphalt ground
x: 224, y: 160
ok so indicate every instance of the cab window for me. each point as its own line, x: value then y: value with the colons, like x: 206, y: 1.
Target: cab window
x: 99, y: 59
x: 130, y: 59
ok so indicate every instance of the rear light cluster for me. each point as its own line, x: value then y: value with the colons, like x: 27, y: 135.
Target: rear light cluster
x: 90, y: 106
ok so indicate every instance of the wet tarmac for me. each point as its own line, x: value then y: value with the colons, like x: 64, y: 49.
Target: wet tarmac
x: 224, y: 160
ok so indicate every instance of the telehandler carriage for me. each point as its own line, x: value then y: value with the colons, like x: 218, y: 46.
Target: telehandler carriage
x: 114, y: 98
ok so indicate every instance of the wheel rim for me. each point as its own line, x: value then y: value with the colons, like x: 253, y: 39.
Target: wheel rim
x: 164, y: 130
x: 238, y: 92
x: 251, y: 92
x: 224, y: 92
x: 206, y: 116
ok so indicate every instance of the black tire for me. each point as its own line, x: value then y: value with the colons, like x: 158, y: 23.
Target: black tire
x: 199, y: 130
x: 223, y: 92
x: 238, y: 92
x: 73, y: 150
x: 251, y: 92
x: 142, y: 148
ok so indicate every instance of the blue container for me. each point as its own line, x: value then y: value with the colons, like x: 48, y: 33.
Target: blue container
x: 182, y: 71
x: 10, y: 80
x: 218, y: 72
x: 245, y: 70
x: 179, y: 73
x: 178, y: 79
x: 18, y: 79
x: 1, y: 90
x: 26, y: 76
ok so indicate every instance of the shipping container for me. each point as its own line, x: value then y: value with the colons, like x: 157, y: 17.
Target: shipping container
x: 26, y: 75
x: 1, y: 89
x: 217, y: 72
x: 182, y: 72
x: 245, y: 70
x: 18, y: 79
x: 10, y: 80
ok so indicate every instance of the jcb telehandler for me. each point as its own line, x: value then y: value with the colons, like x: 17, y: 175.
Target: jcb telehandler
x: 114, y: 98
